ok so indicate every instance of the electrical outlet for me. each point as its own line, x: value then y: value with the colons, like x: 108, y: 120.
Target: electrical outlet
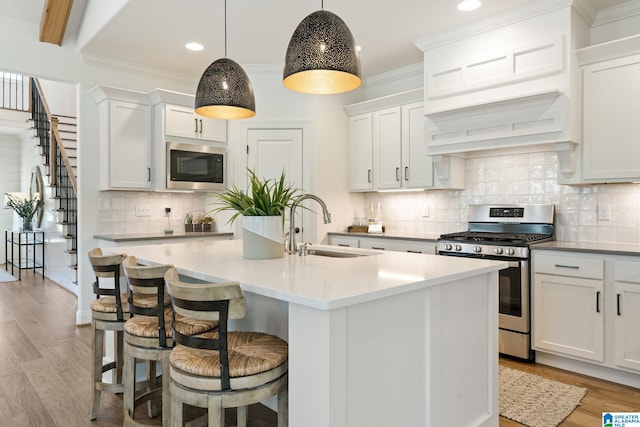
x: 604, y: 213
x: 143, y: 210
x: 167, y: 211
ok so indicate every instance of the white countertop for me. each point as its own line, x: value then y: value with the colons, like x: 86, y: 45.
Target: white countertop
x: 158, y: 235
x: 426, y: 237
x: 632, y: 249
x: 320, y: 282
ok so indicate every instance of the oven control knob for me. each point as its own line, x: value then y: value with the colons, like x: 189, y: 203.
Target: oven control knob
x: 447, y: 246
x: 477, y: 249
x: 510, y: 251
x: 458, y: 247
x: 498, y: 251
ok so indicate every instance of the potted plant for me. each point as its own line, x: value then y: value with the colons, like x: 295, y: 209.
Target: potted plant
x: 207, y: 222
x: 26, y: 207
x: 188, y: 222
x: 197, y: 222
x: 262, y: 207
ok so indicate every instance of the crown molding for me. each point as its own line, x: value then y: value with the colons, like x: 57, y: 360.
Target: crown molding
x: 498, y: 20
x: 616, y: 13
x: 130, y: 67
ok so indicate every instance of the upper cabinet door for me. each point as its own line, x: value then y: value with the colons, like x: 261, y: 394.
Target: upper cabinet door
x: 184, y: 122
x: 361, y: 128
x: 387, y: 141
x: 610, y: 105
x: 128, y: 141
x: 417, y: 167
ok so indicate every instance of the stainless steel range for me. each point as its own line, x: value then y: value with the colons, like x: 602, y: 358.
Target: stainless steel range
x: 504, y: 232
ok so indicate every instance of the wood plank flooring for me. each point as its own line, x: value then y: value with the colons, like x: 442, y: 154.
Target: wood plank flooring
x: 45, y: 368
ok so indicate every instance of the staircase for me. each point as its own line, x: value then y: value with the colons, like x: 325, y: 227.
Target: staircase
x: 56, y: 139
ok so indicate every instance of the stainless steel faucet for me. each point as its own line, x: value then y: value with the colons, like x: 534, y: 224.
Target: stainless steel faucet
x: 292, y: 227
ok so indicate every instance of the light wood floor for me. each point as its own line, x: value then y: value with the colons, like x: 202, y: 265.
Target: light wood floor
x: 45, y: 368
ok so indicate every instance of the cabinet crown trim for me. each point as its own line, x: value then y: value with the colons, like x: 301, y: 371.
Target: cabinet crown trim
x: 101, y: 93
x: 410, y: 96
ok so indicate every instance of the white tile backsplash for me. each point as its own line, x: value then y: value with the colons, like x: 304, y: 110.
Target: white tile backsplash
x: 116, y: 213
x: 521, y: 178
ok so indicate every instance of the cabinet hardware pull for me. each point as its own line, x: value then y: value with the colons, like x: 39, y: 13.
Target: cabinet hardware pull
x: 196, y: 120
x: 149, y: 174
x: 369, y: 175
x: 414, y: 252
x: 397, y: 174
x: 598, y: 302
x: 380, y: 249
x: 200, y: 125
x: 406, y: 175
x: 618, y: 304
x: 575, y: 267
x: 346, y: 245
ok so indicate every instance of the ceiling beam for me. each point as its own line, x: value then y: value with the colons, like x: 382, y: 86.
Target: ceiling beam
x: 54, y: 20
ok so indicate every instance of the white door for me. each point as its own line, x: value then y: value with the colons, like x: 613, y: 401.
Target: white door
x: 270, y: 151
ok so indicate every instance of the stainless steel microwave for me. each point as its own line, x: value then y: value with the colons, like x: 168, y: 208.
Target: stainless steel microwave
x: 196, y: 167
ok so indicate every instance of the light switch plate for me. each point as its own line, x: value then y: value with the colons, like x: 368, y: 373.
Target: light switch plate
x: 143, y: 210
x: 604, y: 213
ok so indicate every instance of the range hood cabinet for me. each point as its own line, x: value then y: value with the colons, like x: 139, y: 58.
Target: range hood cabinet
x: 507, y: 81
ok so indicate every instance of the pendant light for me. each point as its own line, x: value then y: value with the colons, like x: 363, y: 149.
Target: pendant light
x: 224, y: 90
x: 322, y: 56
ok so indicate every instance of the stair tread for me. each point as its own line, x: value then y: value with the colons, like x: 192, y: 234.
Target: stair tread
x: 71, y: 251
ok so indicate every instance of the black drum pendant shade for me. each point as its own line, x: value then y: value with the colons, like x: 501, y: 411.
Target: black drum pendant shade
x: 322, y: 56
x: 225, y: 92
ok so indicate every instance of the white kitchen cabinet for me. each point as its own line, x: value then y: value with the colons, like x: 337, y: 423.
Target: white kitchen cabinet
x: 586, y: 313
x: 182, y: 121
x: 627, y: 314
x: 388, y: 147
x: 610, y: 128
x: 343, y: 241
x: 125, y: 139
x: 384, y: 243
x: 417, y: 167
x: 399, y: 153
x: 361, y: 149
x: 568, y: 306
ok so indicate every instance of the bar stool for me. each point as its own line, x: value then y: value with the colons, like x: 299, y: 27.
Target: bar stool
x: 220, y: 369
x: 148, y: 337
x: 108, y: 313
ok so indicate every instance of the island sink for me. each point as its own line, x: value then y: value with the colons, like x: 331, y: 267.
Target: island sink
x: 320, y: 252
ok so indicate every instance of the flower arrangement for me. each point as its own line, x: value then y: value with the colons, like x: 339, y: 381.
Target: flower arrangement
x: 25, y: 206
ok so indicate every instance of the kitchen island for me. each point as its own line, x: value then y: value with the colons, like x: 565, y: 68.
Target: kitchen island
x: 382, y: 339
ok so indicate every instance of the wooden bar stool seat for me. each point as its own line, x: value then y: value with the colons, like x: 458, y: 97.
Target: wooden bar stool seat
x: 148, y: 337
x: 221, y: 369
x: 108, y: 313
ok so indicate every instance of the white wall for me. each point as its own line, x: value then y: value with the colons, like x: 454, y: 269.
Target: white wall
x: 9, y: 179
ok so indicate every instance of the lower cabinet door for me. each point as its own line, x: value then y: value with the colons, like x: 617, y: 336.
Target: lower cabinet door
x: 627, y: 325
x: 569, y: 316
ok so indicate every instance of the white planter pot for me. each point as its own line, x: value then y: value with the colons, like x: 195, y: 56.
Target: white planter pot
x: 262, y: 237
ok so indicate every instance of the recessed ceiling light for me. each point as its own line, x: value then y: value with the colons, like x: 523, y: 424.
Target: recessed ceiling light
x: 194, y: 46
x: 466, y: 5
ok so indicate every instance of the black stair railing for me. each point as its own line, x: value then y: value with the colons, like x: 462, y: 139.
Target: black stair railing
x: 14, y: 91
x: 61, y: 176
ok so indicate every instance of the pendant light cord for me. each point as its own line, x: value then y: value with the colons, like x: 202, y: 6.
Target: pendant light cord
x: 225, y: 28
